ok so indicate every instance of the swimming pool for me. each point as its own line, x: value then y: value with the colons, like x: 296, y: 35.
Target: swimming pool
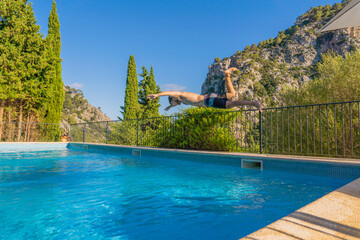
x: 82, y: 194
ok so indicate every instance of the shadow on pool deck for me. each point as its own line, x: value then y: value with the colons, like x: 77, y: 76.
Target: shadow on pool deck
x: 334, y: 216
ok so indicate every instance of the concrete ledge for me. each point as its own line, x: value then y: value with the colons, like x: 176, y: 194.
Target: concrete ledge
x: 334, y: 216
x: 342, y: 161
x: 31, y: 146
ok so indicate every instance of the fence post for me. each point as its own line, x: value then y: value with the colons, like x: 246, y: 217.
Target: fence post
x: 20, y: 131
x: 260, y: 123
x: 137, y: 133
x: 84, y: 132
x: 107, y: 131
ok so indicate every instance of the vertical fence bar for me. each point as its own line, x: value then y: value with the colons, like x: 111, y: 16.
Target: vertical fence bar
x: 236, y: 130
x: 282, y: 130
x: 277, y: 132
x: 343, y: 132
x: 250, y: 130
x: 271, y: 134
x: 321, y: 150
x: 351, y: 132
x: 254, y: 131
x: 265, y: 131
x: 313, y: 108
x: 359, y: 119
x: 335, y: 130
x: 260, y: 136
x: 20, y: 131
x: 288, y: 126
x: 301, y: 148
x: 245, y: 136
x: 84, y: 133
x: 294, y: 131
x: 107, y: 132
x: 223, y: 129
x: 137, y: 132
x: 327, y: 120
x: 307, y: 131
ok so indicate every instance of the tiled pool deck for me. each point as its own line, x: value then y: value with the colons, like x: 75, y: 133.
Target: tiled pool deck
x: 334, y: 216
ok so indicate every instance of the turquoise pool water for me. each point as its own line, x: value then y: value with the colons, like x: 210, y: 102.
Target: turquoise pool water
x: 72, y: 194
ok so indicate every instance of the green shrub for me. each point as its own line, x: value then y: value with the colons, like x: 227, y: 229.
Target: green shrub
x: 200, y: 129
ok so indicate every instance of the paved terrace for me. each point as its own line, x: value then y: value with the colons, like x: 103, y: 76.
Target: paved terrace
x: 334, y: 216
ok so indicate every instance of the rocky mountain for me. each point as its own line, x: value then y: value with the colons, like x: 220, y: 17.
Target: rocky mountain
x: 288, y: 59
x: 76, y: 109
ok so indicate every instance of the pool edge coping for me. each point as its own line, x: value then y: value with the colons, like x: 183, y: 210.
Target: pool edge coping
x: 346, y: 161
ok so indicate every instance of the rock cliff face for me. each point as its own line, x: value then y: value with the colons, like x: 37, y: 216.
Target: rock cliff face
x: 76, y: 109
x: 286, y: 60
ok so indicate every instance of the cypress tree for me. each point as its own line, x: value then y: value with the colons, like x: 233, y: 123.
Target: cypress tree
x: 131, y: 108
x: 55, y: 91
x: 150, y: 108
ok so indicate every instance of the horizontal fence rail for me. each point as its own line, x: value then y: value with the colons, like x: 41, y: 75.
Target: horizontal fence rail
x: 29, y: 132
x: 330, y: 129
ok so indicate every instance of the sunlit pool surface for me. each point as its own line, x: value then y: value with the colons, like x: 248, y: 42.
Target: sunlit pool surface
x: 67, y: 194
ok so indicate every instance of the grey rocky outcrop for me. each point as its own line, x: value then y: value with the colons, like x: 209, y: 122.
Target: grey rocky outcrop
x: 266, y: 68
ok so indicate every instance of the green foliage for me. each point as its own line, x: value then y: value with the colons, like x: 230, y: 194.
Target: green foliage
x: 124, y: 133
x: 131, y: 108
x: 201, y: 129
x: 149, y: 108
x: 30, y: 77
x: 55, y: 91
x: 217, y: 60
x: 337, y: 80
x: 253, y: 47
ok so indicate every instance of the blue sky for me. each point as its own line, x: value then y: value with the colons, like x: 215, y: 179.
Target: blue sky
x: 180, y: 39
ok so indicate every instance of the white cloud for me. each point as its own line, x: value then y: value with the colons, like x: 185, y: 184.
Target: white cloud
x: 76, y: 85
x: 173, y: 87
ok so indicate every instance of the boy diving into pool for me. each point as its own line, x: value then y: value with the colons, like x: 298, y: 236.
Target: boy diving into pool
x: 212, y: 100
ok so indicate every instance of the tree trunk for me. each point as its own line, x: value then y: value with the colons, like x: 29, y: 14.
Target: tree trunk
x: 9, y: 130
x: 2, y: 106
x: 20, y: 120
x: 31, y: 133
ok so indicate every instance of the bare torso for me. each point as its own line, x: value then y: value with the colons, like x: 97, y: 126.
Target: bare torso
x: 194, y: 99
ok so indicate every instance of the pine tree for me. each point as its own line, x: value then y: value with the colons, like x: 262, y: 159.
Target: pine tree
x: 55, y: 91
x: 131, y: 108
x: 149, y: 108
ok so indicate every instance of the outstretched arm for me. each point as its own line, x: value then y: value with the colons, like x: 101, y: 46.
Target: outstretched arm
x: 165, y: 93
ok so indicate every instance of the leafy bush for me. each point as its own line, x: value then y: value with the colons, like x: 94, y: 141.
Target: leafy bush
x: 201, y: 129
x: 337, y: 80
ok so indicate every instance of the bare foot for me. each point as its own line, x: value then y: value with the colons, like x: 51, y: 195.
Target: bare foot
x: 257, y: 105
x: 229, y: 71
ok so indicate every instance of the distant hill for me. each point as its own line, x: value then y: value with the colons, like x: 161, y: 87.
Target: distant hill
x: 76, y: 109
x: 288, y: 59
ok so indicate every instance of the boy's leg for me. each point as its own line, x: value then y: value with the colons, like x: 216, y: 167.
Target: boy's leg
x: 238, y: 103
x: 228, y: 84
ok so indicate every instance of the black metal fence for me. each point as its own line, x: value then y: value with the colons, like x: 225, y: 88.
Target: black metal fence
x: 29, y: 132
x: 330, y: 129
